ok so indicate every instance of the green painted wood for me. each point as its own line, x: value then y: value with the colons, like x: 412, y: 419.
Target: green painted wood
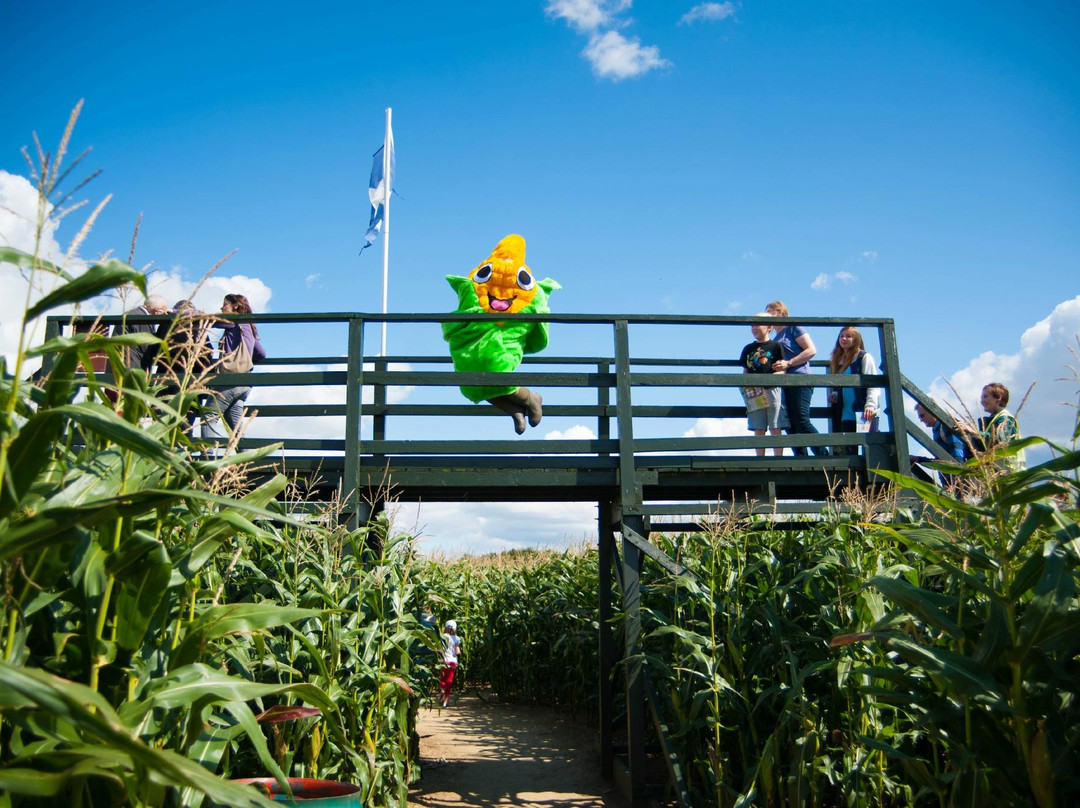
x: 274, y: 361
x: 432, y: 378
x: 300, y: 410
x: 630, y: 489
x: 931, y: 406
x: 282, y: 378
x: 499, y: 447
x: 607, y: 648
x: 894, y: 404
x: 353, y: 393
x: 927, y: 442
x: 440, y: 317
x: 637, y: 538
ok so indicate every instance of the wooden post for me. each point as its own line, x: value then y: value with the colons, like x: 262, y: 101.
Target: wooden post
x: 354, y: 388
x: 894, y: 399
x: 605, y: 522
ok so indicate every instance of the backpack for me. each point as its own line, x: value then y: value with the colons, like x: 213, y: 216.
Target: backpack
x: 238, y: 361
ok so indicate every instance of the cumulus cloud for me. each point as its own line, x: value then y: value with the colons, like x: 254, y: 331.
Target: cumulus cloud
x: 615, y: 57
x: 313, y: 279
x: 868, y: 256
x: 825, y: 281
x: 576, y: 432
x: 1042, y: 357
x: 18, y: 223
x: 18, y: 229
x: 612, y: 55
x: 207, y: 294
x: 708, y: 12
x: 587, y: 15
x: 721, y: 428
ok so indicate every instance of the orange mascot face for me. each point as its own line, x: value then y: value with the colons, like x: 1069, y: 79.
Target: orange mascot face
x: 504, y: 285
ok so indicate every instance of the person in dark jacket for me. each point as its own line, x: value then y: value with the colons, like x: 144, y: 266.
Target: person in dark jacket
x: 142, y: 356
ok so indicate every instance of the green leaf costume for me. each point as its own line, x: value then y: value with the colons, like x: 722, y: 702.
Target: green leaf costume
x: 494, y: 346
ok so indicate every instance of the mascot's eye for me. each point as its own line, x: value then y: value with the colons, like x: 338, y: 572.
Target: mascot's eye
x: 525, y: 279
x: 483, y: 275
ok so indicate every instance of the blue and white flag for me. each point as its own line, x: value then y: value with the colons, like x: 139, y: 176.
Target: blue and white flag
x: 378, y: 190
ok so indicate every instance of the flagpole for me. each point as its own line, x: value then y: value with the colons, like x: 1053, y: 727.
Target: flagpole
x: 386, y: 221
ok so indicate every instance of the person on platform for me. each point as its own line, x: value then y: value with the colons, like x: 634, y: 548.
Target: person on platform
x: 764, y: 404
x: 798, y: 349
x: 950, y: 440
x: 142, y: 356
x: 850, y: 406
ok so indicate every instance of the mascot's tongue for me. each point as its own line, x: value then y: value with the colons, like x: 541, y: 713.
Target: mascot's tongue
x: 499, y: 304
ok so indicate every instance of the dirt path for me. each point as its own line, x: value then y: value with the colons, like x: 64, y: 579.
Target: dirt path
x: 482, y: 753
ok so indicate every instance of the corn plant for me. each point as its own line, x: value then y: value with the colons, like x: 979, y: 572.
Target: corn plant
x: 528, y: 620
x: 137, y: 640
x: 983, y: 634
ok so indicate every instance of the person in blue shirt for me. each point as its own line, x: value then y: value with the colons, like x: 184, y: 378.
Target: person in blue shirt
x: 948, y: 439
x: 798, y: 349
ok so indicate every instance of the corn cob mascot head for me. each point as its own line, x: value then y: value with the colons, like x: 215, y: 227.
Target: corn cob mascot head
x: 502, y: 284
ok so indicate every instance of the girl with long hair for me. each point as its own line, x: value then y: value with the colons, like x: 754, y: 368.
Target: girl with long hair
x: 849, y: 405
x: 240, y: 338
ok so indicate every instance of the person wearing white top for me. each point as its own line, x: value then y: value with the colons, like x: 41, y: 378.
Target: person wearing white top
x: 451, y: 652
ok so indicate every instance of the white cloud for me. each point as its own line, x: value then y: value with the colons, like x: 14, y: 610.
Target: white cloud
x: 576, y: 432
x: 18, y: 217
x: 611, y: 55
x: 18, y: 229
x: 312, y: 279
x: 721, y: 428
x: 708, y: 12
x: 615, y: 57
x: 1042, y: 358
x: 868, y: 255
x: 587, y: 15
x: 752, y: 256
x: 207, y: 294
x: 824, y: 280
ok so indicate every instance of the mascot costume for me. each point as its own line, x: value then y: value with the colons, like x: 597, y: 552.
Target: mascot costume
x: 502, y: 285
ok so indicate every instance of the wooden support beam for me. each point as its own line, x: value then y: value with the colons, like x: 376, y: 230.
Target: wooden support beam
x: 607, y: 651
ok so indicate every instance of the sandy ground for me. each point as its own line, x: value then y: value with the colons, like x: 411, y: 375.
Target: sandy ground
x: 478, y: 752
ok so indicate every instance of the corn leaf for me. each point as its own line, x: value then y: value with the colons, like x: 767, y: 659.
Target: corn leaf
x: 99, y: 278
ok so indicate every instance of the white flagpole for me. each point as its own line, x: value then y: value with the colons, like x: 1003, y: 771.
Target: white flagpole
x: 386, y: 220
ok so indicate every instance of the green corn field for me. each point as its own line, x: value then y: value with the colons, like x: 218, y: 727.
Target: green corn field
x: 167, y: 626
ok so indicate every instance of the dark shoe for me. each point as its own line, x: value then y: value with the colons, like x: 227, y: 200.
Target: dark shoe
x: 510, y: 406
x: 531, y: 402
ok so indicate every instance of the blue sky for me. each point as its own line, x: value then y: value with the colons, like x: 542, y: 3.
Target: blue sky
x: 907, y: 160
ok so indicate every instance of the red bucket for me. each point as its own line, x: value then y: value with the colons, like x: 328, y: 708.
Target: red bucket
x: 308, y: 792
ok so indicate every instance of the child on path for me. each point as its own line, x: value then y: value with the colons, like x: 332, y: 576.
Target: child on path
x: 451, y: 651
x: 764, y: 407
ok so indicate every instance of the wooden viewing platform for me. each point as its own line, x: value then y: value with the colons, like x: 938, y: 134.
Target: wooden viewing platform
x: 434, y: 445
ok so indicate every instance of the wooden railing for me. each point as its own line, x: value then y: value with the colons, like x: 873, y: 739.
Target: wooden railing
x: 636, y: 405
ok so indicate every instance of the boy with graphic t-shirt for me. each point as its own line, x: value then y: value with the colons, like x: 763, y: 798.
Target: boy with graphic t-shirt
x: 764, y: 405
